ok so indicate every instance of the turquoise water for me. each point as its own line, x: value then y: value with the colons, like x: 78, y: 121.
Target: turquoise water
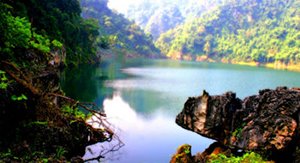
x: 143, y: 97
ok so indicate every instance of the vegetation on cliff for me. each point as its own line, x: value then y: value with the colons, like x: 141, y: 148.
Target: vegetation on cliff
x: 37, y: 122
x: 215, y: 153
x: 117, y: 31
x: 260, y: 32
x: 60, y: 21
x: 252, y: 31
x: 248, y: 157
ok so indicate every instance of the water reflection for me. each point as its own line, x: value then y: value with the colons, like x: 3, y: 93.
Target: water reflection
x: 142, y: 99
x: 87, y: 82
x: 147, y: 139
x: 79, y: 83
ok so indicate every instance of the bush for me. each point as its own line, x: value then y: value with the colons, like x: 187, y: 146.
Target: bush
x: 246, y: 158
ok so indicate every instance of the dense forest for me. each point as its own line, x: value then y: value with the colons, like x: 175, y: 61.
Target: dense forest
x: 156, y: 17
x: 38, y: 123
x: 259, y: 31
x: 234, y: 31
x: 117, y: 31
x: 48, y: 26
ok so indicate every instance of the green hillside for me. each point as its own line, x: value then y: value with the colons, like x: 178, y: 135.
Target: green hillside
x: 36, y: 24
x: 164, y: 19
x: 260, y: 31
x: 117, y: 30
x: 156, y: 17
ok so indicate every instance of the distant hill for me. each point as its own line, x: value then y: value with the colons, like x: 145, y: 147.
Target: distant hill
x: 255, y: 31
x: 260, y: 31
x: 158, y: 16
x: 117, y: 30
x: 163, y: 20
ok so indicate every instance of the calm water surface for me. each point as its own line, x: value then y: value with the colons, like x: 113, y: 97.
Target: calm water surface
x: 143, y: 97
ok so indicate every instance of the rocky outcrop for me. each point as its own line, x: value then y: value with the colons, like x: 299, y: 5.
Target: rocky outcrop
x: 42, y: 122
x: 183, y: 154
x: 267, y: 123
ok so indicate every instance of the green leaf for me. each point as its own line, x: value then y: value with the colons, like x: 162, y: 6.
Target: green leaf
x: 14, y: 97
x: 23, y: 97
x: 57, y: 44
x: 3, y: 85
x: 18, y: 98
x: 4, y: 78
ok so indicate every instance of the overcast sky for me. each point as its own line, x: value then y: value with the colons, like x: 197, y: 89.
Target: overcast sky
x: 121, y: 5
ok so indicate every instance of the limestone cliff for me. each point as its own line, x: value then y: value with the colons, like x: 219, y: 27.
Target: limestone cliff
x: 267, y: 123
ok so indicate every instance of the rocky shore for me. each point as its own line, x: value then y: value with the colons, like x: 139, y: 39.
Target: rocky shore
x: 267, y: 123
x: 37, y: 122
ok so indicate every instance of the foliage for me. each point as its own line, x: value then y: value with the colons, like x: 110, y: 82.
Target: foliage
x: 252, y: 31
x: 73, y: 112
x: 116, y: 31
x: 35, y: 156
x: 41, y: 43
x: 16, y: 32
x: 57, y: 44
x: 60, y: 152
x: 3, y: 80
x: 246, y: 158
x: 32, y: 34
x: 159, y: 16
x: 164, y: 19
x: 48, y: 25
x: 104, y: 42
x: 237, y: 132
x: 6, y: 154
x: 18, y: 98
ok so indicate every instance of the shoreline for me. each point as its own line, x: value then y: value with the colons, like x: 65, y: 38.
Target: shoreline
x: 276, y: 65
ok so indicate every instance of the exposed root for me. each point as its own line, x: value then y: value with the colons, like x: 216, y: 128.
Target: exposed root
x: 19, y: 77
x: 97, y: 123
x: 41, y: 121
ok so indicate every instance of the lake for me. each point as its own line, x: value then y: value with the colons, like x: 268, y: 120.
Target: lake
x: 142, y: 98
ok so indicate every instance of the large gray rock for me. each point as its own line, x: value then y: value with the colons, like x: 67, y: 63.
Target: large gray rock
x: 265, y: 122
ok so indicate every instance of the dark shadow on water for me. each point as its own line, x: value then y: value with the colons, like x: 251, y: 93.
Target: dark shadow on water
x: 87, y: 82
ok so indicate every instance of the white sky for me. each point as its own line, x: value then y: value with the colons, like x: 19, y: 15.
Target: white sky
x: 121, y: 5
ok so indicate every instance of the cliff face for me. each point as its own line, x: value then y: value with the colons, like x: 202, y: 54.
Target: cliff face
x: 41, y: 123
x: 267, y: 123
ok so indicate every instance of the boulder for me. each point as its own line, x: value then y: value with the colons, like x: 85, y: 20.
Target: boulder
x: 267, y: 123
x: 183, y: 155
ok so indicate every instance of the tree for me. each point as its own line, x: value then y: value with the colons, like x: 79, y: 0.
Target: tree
x: 206, y: 47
